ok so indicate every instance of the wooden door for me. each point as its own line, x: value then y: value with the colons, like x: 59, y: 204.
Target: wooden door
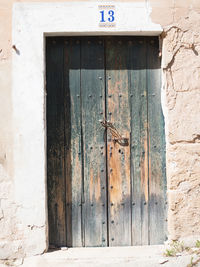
x: 105, y: 142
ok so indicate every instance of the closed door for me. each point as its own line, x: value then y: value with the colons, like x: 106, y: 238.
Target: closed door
x: 105, y: 142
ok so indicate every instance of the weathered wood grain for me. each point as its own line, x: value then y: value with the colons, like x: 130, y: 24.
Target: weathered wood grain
x: 93, y: 110
x: 55, y: 142
x: 118, y: 112
x: 73, y: 150
x: 139, y: 141
x: 157, y: 176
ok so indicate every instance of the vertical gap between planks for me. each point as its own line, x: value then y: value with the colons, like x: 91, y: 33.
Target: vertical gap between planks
x: 130, y: 143
x: 147, y: 95
x: 64, y: 117
x: 106, y: 147
x: 82, y: 159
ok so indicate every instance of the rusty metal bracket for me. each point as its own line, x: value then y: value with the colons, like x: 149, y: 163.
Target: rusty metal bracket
x: 117, y: 137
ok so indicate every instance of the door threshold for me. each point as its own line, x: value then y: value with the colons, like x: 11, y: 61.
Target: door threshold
x: 106, y: 252
x: 136, y: 256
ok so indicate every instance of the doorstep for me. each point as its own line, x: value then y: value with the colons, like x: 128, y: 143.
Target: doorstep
x: 136, y: 256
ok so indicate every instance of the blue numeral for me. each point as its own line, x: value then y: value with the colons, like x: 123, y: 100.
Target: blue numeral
x: 111, y: 14
x: 102, y: 16
x: 111, y: 17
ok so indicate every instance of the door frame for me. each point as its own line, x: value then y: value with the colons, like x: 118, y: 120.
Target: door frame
x: 32, y: 22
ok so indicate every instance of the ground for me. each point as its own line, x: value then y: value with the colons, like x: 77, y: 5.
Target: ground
x: 145, y: 256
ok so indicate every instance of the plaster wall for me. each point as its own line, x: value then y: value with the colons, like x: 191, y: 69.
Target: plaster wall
x: 22, y: 234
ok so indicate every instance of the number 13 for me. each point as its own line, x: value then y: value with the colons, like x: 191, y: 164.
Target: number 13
x: 111, y: 17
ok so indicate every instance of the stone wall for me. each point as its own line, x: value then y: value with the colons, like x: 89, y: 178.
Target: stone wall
x: 181, y: 71
x: 181, y: 105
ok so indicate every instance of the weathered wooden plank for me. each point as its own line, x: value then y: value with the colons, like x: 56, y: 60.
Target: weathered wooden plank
x: 118, y: 113
x: 73, y: 155
x: 157, y: 177
x: 93, y: 110
x: 55, y: 142
x: 139, y: 141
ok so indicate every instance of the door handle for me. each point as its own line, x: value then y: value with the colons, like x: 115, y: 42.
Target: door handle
x: 117, y: 137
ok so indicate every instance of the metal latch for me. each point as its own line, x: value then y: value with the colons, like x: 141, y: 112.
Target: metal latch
x: 117, y: 137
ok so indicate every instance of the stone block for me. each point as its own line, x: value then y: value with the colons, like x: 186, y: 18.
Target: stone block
x: 184, y: 213
x: 162, y: 15
x: 187, y: 3
x: 5, y: 189
x: 183, y: 166
x: 10, y: 249
x: 180, y: 13
x: 161, y: 3
x: 183, y: 119
x: 35, y: 241
x: 186, y: 67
